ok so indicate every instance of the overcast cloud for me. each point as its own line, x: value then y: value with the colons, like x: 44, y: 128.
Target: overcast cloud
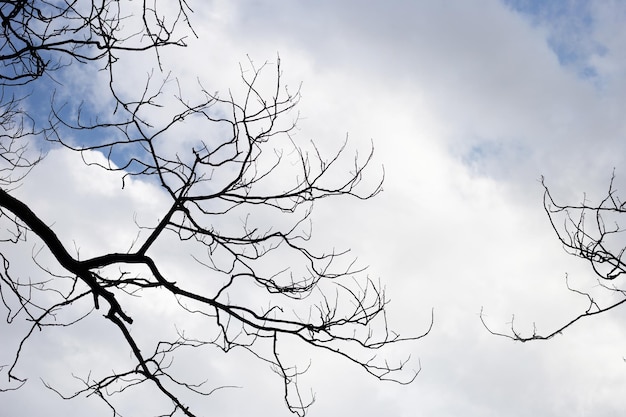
x: 468, y: 104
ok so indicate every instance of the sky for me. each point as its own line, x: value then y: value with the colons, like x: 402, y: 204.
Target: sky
x: 468, y: 105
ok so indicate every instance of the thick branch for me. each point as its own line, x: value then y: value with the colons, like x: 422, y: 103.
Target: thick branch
x: 52, y: 242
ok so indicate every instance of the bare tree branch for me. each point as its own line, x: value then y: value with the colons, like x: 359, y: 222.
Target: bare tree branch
x: 243, y: 191
x: 593, y: 233
x: 41, y: 36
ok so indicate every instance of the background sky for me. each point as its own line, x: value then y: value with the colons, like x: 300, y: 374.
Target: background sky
x: 468, y: 104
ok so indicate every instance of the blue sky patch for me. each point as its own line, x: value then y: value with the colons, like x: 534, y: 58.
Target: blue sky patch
x: 570, y: 25
x: 495, y: 158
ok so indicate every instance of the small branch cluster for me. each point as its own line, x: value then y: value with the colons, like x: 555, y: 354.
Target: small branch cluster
x: 591, y: 232
x: 42, y: 36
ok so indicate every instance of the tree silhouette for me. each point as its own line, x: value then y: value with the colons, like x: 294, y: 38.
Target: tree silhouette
x: 241, y: 190
x: 42, y: 36
x: 591, y: 232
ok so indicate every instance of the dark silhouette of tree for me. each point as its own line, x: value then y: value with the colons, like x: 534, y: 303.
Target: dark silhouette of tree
x: 41, y: 36
x: 243, y: 193
x: 590, y: 231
